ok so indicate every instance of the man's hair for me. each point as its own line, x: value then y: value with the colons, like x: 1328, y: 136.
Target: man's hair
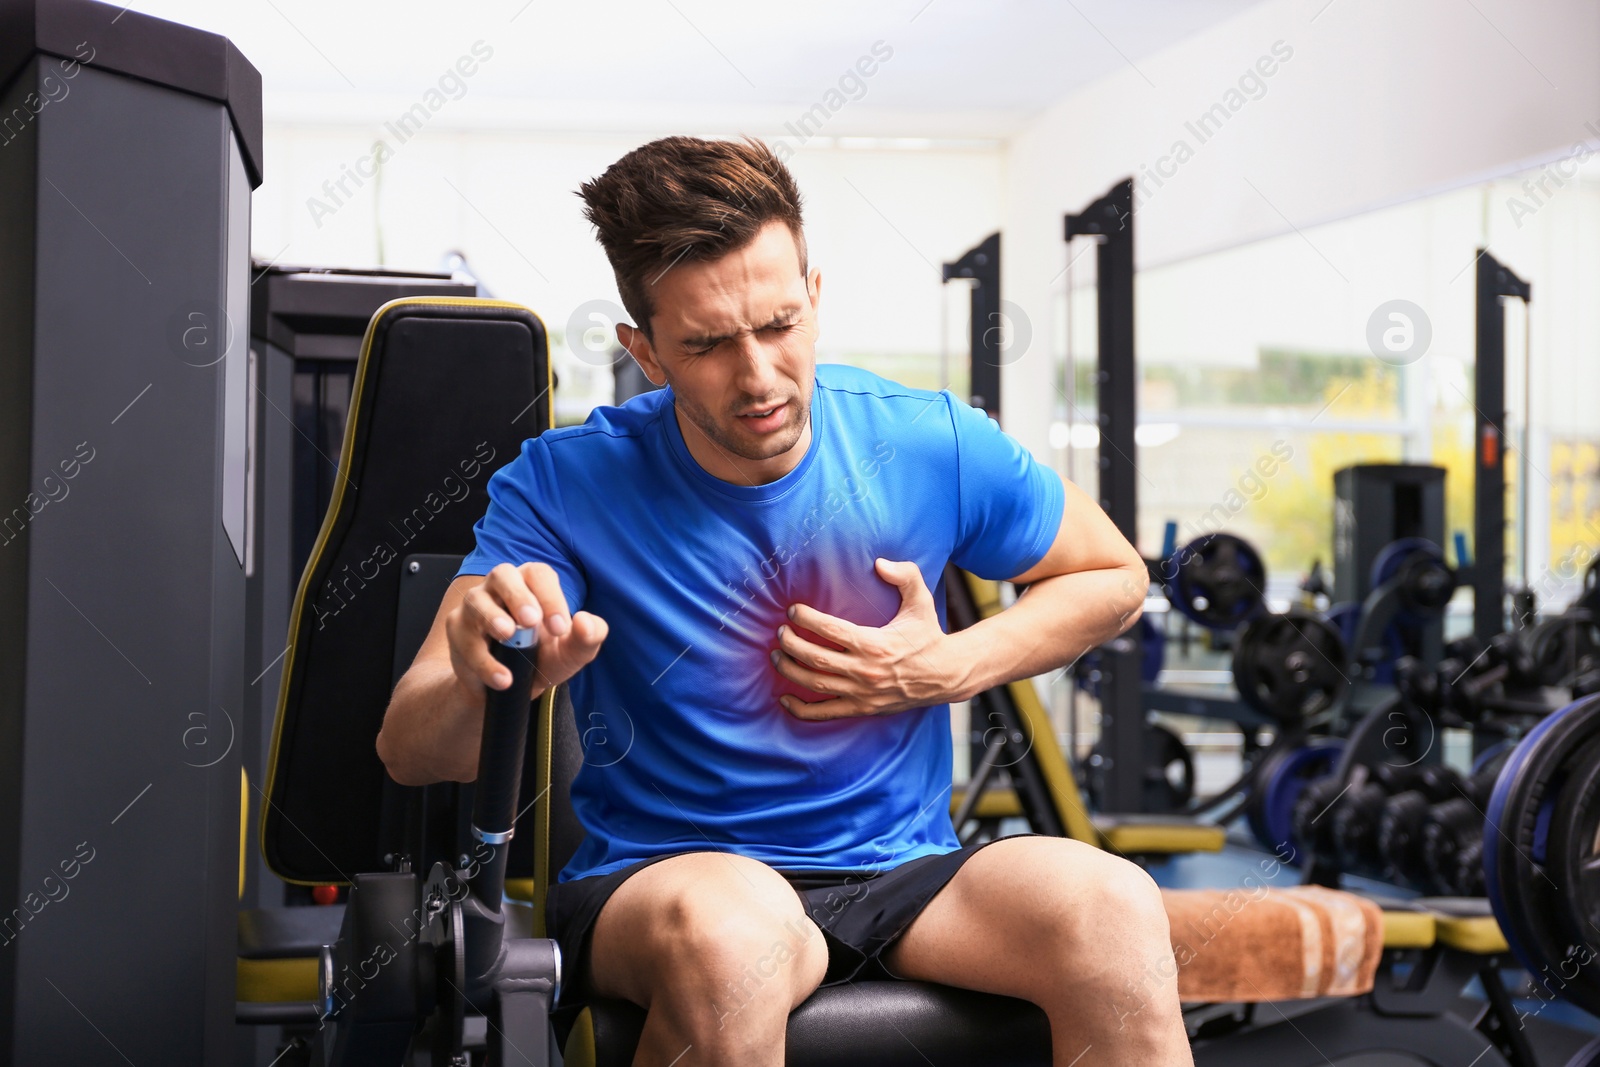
x: 686, y: 198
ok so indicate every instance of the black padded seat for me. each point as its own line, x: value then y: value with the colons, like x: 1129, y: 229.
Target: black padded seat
x: 884, y: 1023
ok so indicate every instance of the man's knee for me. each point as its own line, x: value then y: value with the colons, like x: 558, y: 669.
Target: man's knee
x: 1102, y: 898
x: 715, y: 931
x: 729, y: 928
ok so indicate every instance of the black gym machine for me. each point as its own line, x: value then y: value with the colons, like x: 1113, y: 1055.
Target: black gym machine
x: 450, y: 924
x: 129, y: 149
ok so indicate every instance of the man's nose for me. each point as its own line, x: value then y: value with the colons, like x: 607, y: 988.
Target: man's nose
x: 756, y: 373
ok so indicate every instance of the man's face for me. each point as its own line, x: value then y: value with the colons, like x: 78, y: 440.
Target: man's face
x: 736, y: 337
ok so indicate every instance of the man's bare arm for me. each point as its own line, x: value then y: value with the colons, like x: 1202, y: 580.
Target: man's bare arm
x: 1089, y: 587
x: 434, y: 724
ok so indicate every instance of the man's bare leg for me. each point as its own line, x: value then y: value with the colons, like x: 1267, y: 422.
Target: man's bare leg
x: 1076, y: 930
x: 718, y: 950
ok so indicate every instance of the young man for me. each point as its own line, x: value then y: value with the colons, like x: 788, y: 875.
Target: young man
x: 742, y: 560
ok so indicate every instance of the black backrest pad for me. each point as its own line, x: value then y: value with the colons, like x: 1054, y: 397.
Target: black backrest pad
x: 446, y: 392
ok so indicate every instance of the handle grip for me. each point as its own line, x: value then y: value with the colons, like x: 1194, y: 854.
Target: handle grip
x: 505, y: 738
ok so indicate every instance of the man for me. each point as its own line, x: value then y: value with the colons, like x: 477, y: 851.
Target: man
x: 743, y: 557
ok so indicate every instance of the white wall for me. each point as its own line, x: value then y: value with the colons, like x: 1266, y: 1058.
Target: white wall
x: 1378, y: 102
x: 879, y: 220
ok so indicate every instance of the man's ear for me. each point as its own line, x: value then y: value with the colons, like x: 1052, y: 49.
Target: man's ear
x: 814, y: 291
x: 643, y: 353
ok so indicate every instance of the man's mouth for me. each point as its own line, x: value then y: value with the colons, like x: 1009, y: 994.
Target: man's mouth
x: 765, y: 420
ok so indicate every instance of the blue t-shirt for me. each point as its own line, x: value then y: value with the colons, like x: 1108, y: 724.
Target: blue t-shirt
x: 686, y: 747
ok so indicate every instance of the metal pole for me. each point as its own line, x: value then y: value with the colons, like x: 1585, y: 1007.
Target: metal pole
x: 1110, y: 219
x: 981, y: 263
x: 1495, y: 282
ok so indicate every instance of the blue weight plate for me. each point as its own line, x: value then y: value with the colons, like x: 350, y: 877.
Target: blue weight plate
x: 1490, y: 754
x: 1494, y: 845
x: 1217, y: 580
x: 1386, y: 564
x: 1272, y: 817
x: 1526, y: 902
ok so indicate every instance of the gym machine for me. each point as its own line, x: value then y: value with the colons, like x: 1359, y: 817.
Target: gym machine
x: 306, y: 326
x: 455, y: 949
x: 1387, y: 518
x: 130, y: 149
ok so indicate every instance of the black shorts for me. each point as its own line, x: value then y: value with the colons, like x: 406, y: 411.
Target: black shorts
x: 860, y: 913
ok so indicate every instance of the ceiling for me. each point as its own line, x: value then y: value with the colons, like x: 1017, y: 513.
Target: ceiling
x: 956, y: 68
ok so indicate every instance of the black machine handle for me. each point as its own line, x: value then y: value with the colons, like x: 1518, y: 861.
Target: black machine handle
x: 505, y: 739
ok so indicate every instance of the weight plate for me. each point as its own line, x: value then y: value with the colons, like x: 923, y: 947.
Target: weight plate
x: 1283, y: 779
x: 1521, y: 874
x: 1386, y: 564
x: 1290, y: 666
x: 1217, y: 580
x: 1573, y: 859
x: 1392, y: 645
x: 1587, y: 1056
x: 1417, y: 605
x: 1168, y: 773
x: 1558, y: 649
x: 1494, y: 757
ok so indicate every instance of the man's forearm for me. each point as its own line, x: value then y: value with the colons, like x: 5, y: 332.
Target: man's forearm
x: 433, y: 728
x: 1055, y: 621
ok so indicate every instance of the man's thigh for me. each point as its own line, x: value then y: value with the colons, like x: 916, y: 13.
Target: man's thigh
x: 701, y: 916
x: 1023, y: 912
